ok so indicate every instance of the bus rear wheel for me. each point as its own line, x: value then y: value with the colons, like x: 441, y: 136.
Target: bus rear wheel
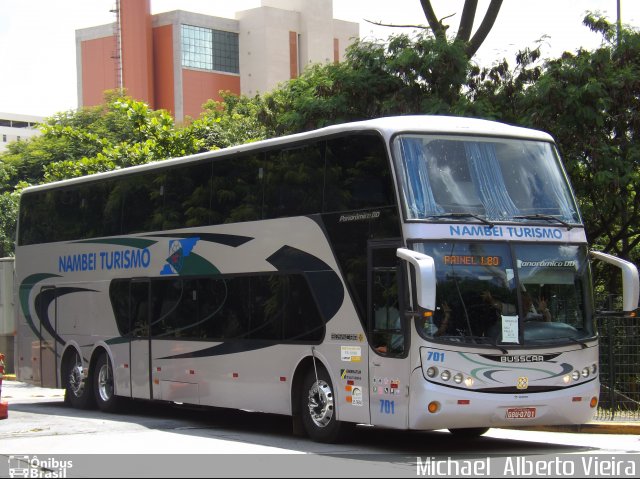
x: 77, y: 388
x: 103, y: 388
x: 318, y: 408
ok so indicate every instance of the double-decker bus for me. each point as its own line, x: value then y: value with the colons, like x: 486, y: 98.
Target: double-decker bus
x: 416, y: 272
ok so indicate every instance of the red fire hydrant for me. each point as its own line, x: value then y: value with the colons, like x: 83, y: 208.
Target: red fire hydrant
x: 4, y: 406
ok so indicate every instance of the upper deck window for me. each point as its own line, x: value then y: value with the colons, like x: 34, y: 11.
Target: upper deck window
x: 496, y: 178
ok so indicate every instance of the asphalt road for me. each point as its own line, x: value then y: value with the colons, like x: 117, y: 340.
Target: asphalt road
x: 159, y: 440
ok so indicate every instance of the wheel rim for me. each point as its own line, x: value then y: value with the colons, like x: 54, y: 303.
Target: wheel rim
x: 321, y: 403
x: 105, y: 383
x: 76, y: 378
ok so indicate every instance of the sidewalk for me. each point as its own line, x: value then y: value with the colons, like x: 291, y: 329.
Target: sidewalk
x: 593, y: 427
x: 13, y: 390
x: 19, y: 392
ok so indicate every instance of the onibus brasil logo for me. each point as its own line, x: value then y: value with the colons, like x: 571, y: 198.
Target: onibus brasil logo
x: 27, y: 466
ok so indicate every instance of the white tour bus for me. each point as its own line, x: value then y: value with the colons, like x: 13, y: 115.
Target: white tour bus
x: 417, y: 272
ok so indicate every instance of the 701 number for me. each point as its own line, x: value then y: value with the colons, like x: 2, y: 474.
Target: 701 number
x: 387, y: 406
x: 435, y: 356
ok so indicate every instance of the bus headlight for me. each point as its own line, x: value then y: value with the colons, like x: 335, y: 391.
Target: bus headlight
x: 468, y: 382
x: 566, y: 378
x: 445, y: 376
x: 458, y: 378
x: 585, y: 372
x: 432, y: 372
x: 594, y: 368
x: 575, y: 375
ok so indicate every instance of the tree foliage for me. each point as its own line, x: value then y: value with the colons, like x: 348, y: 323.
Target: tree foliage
x: 589, y: 101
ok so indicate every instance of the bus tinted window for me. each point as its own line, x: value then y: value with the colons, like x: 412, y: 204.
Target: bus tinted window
x: 341, y: 174
x: 186, y: 196
x: 119, y: 295
x: 265, y: 307
x: 237, y: 189
x: 294, y: 181
x: 358, y: 174
x: 140, y: 196
x: 175, y: 307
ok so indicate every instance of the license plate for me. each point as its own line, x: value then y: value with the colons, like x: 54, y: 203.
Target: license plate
x: 521, y: 413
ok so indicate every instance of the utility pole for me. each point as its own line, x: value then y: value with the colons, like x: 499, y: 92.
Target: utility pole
x: 619, y: 23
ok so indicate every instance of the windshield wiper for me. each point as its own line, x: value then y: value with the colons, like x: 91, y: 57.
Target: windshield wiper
x: 538, y: 216
x: 578, y: 341
x: 481, y: 340
x: 463, y: 215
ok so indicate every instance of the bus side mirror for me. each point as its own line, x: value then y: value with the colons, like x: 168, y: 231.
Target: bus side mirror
x: 425, y: 269
x: 630, y: 282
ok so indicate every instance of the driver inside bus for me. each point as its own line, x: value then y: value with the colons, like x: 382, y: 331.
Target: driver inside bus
x: 530, y: 310
x: 392, y: 339
x: 439, y: 323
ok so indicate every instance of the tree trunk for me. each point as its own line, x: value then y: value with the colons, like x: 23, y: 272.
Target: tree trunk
x: 472, y: 44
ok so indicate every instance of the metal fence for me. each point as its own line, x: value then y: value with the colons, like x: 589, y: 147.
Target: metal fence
x: 619, y: 369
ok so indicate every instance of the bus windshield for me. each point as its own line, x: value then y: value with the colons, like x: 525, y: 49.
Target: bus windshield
x: 495, y: 293
x: 491, y: 178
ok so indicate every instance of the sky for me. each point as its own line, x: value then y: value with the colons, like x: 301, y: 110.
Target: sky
x: 38, y: 51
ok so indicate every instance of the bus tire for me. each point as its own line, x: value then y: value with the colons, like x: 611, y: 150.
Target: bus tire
x: 469, y: 432
x: 318, y: 410
x: 78, y: 392
x: 103, y: 388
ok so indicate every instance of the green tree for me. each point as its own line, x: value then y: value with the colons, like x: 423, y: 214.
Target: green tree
x: 122, y: 132
x: 404, y: 75
x: 590, y: 102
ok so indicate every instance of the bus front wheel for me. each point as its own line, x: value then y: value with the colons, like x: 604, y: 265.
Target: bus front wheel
x: 77, y: 388
x: 103, y: 389
x: 318, y: 408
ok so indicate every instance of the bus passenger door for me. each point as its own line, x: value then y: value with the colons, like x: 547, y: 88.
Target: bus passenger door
x: 140, y: 345
x: 388, y: 337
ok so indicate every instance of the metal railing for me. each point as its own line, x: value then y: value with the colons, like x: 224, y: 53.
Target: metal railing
x: 619, y: 369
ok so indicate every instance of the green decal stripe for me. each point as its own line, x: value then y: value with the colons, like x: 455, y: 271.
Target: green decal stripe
x: 120, y: 340
x: 25, y: 290
x: 131, y: 242
x: 195, y: 264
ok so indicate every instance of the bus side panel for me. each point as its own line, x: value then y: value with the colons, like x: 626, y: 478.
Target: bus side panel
x: 121, y: 363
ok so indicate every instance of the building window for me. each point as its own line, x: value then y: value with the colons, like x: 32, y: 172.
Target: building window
x: 225, y: 52
x: 209, y: 49
x: 4, y: 138
x: 197, y: 47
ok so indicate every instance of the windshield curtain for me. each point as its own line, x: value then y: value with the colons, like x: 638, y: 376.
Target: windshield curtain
x: 497, y: 178
x: 496, y: 293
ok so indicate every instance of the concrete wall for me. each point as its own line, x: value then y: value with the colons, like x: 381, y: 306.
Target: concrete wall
x: 137, y: 49
x: 7, y: 313
x: 276, y: 41
x: 267, y: 56
x: 96, y: 67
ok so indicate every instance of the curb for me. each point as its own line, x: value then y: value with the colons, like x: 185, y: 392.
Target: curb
x: 589, y: 428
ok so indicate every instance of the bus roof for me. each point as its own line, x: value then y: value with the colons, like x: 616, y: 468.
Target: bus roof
x: 386, y: 126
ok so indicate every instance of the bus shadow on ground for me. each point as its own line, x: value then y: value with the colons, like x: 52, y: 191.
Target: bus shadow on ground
x: 364, y: 442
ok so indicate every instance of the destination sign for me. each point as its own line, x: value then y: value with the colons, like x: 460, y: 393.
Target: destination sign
x: 472, y: 260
